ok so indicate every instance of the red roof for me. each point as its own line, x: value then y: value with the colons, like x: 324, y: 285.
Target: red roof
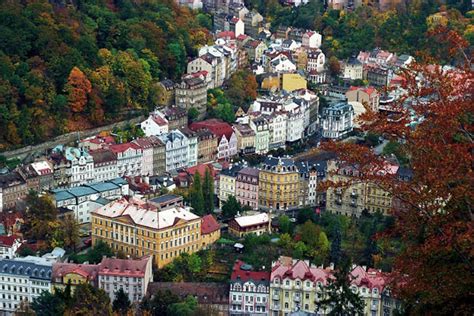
x: 88, y: 271
x: 201, y: 168
x: 159, y: 120
x: 124, y: 267
x: 243, y: 275
x: 8, y: 241
x: 241, y: 37
x: 368, y: 90
x: 209, y: 224
x: 119, y: 148
x: 226, y: 34
x: 217, y: 127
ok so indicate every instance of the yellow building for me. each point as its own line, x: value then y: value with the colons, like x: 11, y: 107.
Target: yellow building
x: 73, y: 274
x: 279, y: 185
x: 270, y: 82
x: 352, y: 200
x: 138, y: 228
x: 292, y: 82
x: 210, y: 231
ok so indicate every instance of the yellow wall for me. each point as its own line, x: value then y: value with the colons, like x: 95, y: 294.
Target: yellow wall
x: 293, y: 82
x: 271, y: 83
x: 209, y: 239
x: 278, y: 190
x: 159, y: 243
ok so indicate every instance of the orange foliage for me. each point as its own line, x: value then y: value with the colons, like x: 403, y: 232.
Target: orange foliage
x: 78, y: 88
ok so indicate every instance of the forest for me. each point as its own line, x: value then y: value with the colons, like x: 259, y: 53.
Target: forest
x: 66, y: 67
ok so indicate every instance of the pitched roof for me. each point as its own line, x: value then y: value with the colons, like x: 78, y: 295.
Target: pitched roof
x: 8, y: 241
x: 251, y: 220
x: 125, y: 267
x: 243, y: 272
x: 102, y: 155
x: 216, y: 126
x: 61, y: 269
x: 119, y: 148
x: 209, y: 224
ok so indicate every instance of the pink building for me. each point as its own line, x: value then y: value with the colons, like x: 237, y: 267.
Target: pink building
x: 246, y: 187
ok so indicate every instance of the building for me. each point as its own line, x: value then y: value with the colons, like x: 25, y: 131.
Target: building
x: 227, y: 179
x: 192, y: 93
x: 147, y: 155
x: 212, y: 297
x: 177, y: 117
x: 207, y: 145
x: 210, y: 231
x: 293, y: 81
x: 192, y: 145
x: 377, y: 76
x: 262, y: 134
x: 84, y: 199
x: 337, y: 120
x: 245, y: 138
x: 13, y: 188
x: 105, y: 164
x: 227, y: 140
x: 133, y: 276
x: 279, y: 185
x: 9, y: 246
x: 246, y: 187
x: 23, y: 280
x: 249, y: 291
x: 177, y: 150
x: 159, y: 155
x: 281, y: 63
x: 253, y: 23
x: 257, y: 224
x: 154, y: 125
x: 311, y: 39
x: 129, y: 159
x: 316, y: 60
x: 298, y: 285
x: 277, y: 122
x: 167, y: 93
x: 255, y: 50
x: 64, y: 273
x: 138, y: 228
x: 364, y: 95
x: 353, y: 69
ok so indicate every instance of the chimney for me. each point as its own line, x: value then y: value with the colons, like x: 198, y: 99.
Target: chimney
x: 331, y: 266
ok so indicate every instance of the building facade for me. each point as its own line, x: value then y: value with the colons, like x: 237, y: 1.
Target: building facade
x: 177, y: 150
x: 227, y: 180
x: 246, y: 187
x: 337, y: 120
x: 258, y: 224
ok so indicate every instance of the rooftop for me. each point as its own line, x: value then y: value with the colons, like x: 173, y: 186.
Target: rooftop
x: 251, y: 220
x: 209, y: 224
x: 241, y: 272
x: 127, y: 267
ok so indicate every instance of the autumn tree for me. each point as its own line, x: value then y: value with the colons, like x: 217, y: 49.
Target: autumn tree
x: 433, y: 209
x: 70, y: 228
x: 334, y: 66
x: 89, y: 300
x: 40, y: 220
x: 78, y: 88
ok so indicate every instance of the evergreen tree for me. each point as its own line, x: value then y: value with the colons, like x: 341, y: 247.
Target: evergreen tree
x: 231, y: 207
x: 335, y: 255
x: 339, y: 295
x: 121, y: 303
x: 208, y: 192
x: 197, y: 197
x: 371, y: 245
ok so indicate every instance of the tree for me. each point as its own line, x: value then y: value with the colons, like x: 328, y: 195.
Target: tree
x: 304, y: 215
x: 48, y: 304
x: 309, y: 234
x: 70, y: 228
x: 89, y: 300
x: 193, y: 114
x: 78, y: 88
x: 335, y: 255
x: 231, y: 207
x: 197, y: 197
x: 121, y: 303
x: 159, y: 303
x: 339, y: 295
x: 185, y: 308
x: 334, y: 66
x: 433, y: 208
x: 208, y: 192
x: 285, y: 224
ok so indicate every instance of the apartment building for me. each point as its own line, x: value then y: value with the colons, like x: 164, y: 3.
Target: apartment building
x: 192, y: 93
x: 207, y: 145
x: 337, y: 120
x: 139, y: 228
x: 177, y: 150
x: 105, y: 164
x: 246, y: 187
x: 227, y: 185
x: 129, y: 159
x: 249, y: 291
x: 12, y: 189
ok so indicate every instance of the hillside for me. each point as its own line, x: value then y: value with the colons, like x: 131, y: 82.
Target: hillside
x: 65, y: 67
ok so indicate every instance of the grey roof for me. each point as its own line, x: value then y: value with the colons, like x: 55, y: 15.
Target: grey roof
x: 165, y: 198
x: 33, y: 267
x: 10, y: 179
x: 250, y: 172
x: 103, y: 186
x: 118, y: 181
x: 274, y: 161
x: 232, y: 172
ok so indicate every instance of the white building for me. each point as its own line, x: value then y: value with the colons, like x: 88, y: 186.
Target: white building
x: 133, y: 276
x: 22, y: 280
x: 227, y: 179
x: 227, y: 148
x: 192, y: 145
x: 353, y: 69
x: 155, y: 124
x: 262, y: 134
x: 79, y: 165
x: 249, y: 291
x: 176, y: 150
x: 84, y: 199
x: 277, y: 126
x: 316, y: 60
x: 9, y: 246
x: 147, y: 155
x: 281, y: 63
x: 311, y: 39
x: 337, y: 120
x: 294, y: 127
x: 105, y: 164
x: 129, y: 159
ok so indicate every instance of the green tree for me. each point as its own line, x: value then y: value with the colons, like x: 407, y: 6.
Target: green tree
x: 309, y: 234
x: 335, y: 255
x: 231, y: 207
x: 285, y: 224
x: 197, y: 197
x: 304, y: 215
x: 185, y: 308
x: 89, y: 300
x: 208, y: 192
x: 159, y: 303
x: 48, y: 304
x: 121, y: 303
x: 340, y: 297
x: 193, y: 114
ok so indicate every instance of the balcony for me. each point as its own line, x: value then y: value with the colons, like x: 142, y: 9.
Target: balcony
x: 276, y: 307
x: 296, y: 298
x: 276, y: 297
